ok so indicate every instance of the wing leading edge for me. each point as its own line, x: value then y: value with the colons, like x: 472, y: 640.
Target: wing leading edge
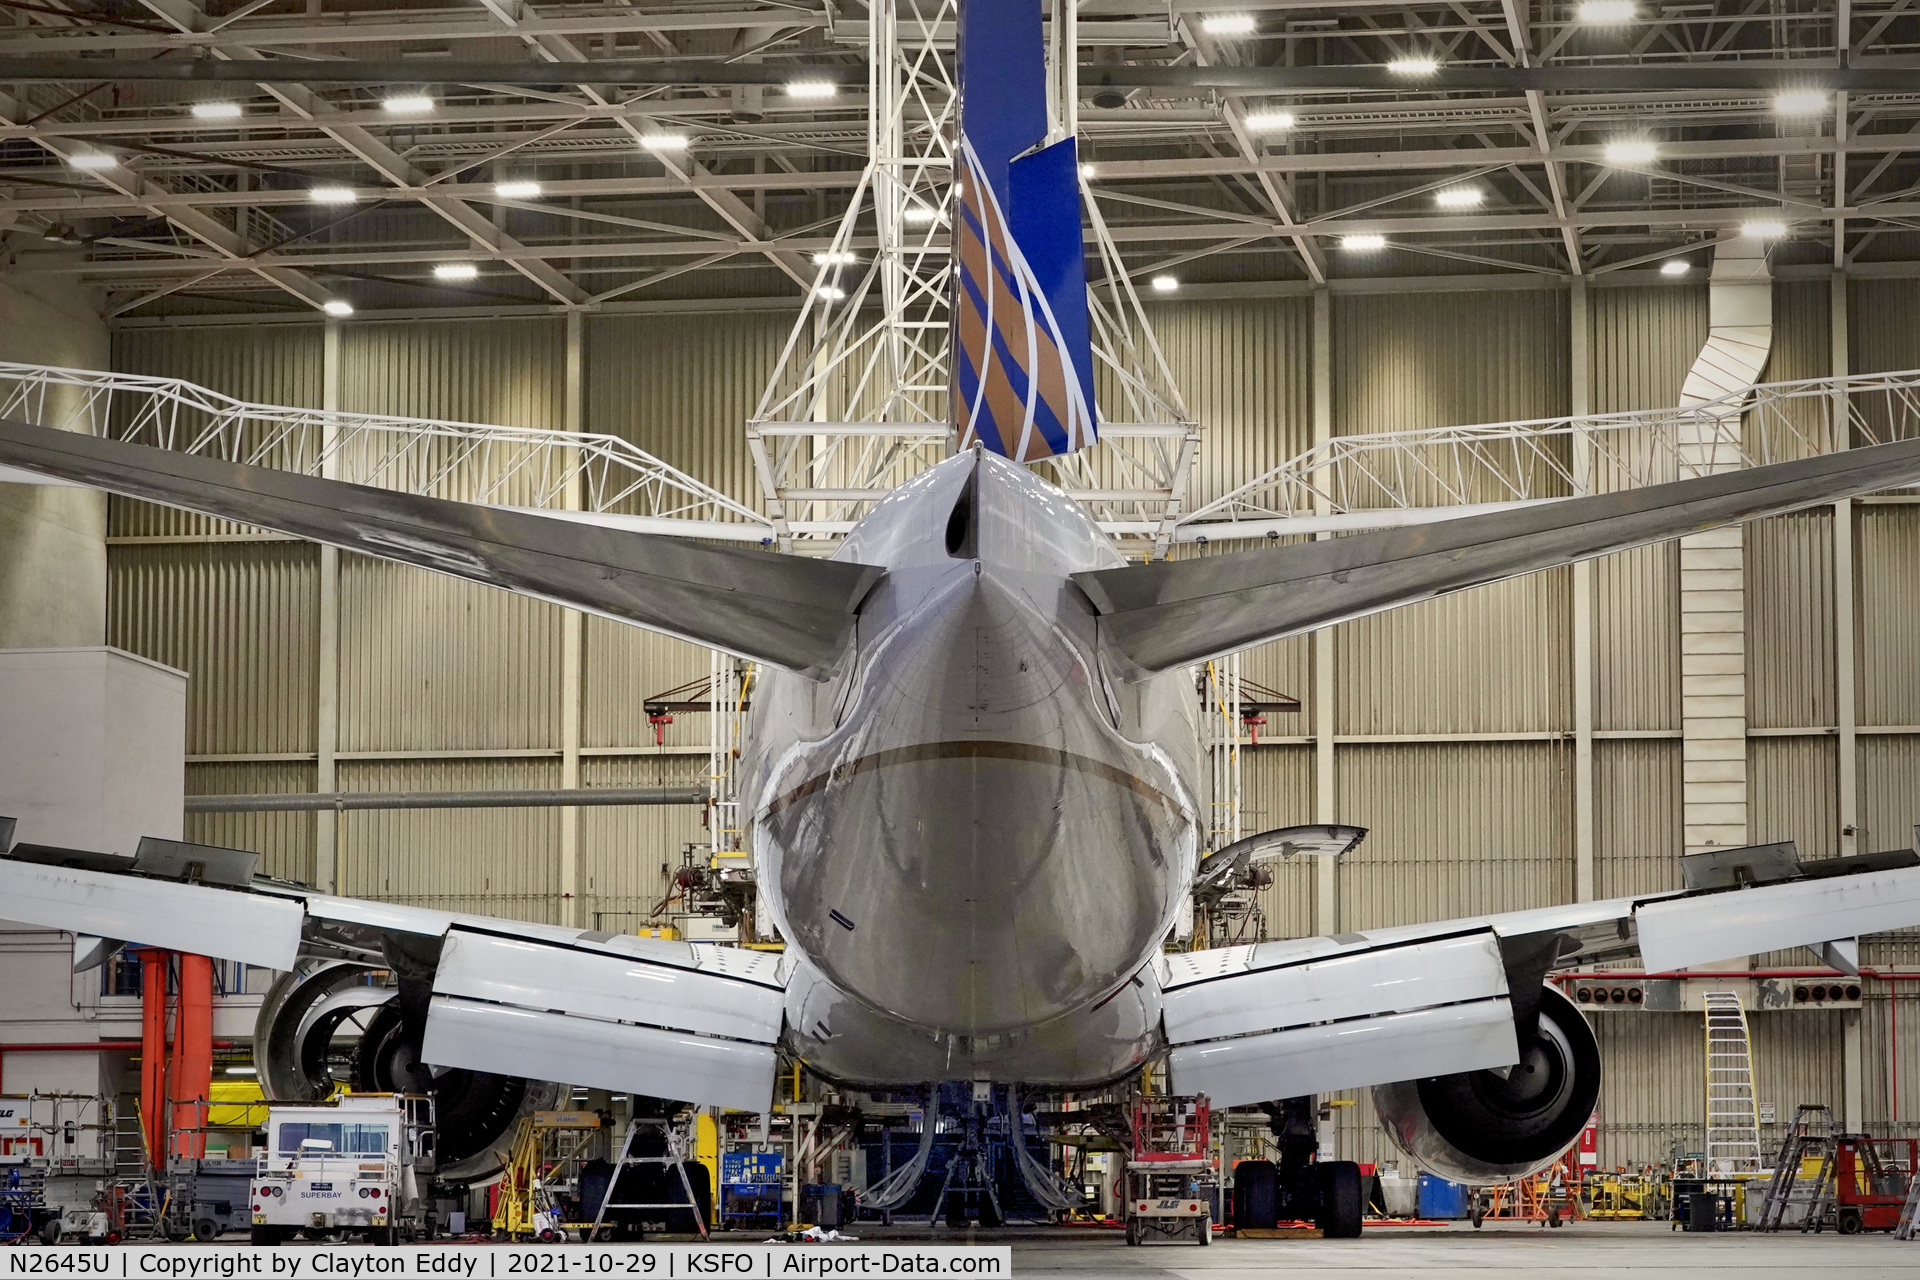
x: 792, y: 612
x: 1176, y: 612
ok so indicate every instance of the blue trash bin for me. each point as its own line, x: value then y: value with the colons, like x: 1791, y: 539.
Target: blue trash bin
x: 1442, y: 1199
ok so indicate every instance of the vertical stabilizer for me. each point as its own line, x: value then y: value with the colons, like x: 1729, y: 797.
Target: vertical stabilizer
x: 1022, y: 349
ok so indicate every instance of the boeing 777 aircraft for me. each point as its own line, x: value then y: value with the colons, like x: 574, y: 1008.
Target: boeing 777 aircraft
x: 971, y: 774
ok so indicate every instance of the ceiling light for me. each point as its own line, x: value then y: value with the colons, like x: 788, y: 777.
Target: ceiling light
x: 1228, y: 24
x: 1631, y: 151
x: 93, y: 160
x: 1087, y: 171
x: 830, y: 293
x: 1607, y: 11
x: 812, y: 89
x: 455, y: 271
x: 516, y: 190
x: 1458, y: 197
x: 408, y: 104
x: 919, y: 215
x: 243, y: 1071
x: 1363, y: 244
x: 1165, y: 284
x: 840, y: 259
x: 335, y: 307
x: 1268, y: 121
x: 1764, y: 229
x: 216, y: 111
x: 332, y: 195
x: 1413, y: 66
x: 664, y: 141
x: 1675, y: 267
x: 1800, y: 102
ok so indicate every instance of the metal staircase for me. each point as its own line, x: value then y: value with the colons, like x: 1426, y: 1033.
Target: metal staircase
x: 1811, y: 1134
x: 1733, y: 1117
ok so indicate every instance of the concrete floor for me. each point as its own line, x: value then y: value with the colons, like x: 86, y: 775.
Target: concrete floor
x: 1581, y: 1251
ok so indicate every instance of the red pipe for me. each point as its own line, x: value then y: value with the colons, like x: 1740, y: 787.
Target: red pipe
x: 1829, y: 974
x: 193, y: 1057
x: 153, y: 1052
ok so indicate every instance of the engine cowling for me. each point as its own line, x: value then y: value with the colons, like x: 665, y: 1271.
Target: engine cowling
x: 1479, y: 1126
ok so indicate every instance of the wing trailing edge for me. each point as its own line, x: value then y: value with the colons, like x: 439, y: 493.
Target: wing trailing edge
x: 1176, y: 612
x: 791, y: 612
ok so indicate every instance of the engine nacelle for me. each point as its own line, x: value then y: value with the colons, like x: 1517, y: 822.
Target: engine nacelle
x: 1479, y: 1126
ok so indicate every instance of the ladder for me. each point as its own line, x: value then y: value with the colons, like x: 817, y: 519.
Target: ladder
x: 1910, y: 1212
x: 1810, y: 1134
x: 678, y: 1150
x: 1733, y: 1116
x: 134, y: 1186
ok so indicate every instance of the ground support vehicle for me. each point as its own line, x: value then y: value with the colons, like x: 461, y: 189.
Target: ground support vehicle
x: 1866, y: 1184
x: 354, y: 1165
x: 1173, y: 1180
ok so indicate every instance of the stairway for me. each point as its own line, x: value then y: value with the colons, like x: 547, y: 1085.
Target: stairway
x: 1733, y: 1117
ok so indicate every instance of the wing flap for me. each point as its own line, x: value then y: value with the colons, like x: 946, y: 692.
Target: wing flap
x: 1690, y: 930
x: 786, y: 610
x: 541, y: 1045
x: 1175, y: 612
x: 250, y: 928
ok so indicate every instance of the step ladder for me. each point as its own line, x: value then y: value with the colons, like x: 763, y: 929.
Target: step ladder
x: 1810, y: 1134
x: 679, y: 1149
x: 1910, y: 1212
x: 1733, y: 1116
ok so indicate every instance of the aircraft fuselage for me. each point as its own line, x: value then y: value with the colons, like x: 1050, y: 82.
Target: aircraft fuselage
x: 973, y: 837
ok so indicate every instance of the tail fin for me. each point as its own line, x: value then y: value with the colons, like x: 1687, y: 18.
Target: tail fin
x: 1022, y: 341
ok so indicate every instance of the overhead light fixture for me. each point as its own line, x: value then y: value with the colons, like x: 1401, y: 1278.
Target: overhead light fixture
x: 1087, y: 171
x: 332, y: 195
x: 243, y: 1071
x: 664, y: 141
x: 456, y: 271
x: 93, y: 160
x: 1801, y: 102
x: 918, y: 215
x: 1458, y: 197
x: 1228, y: 24
x: 830, y: 293
x: 335, y: 307
x: 1675, y: 267
x: 407, y: 104
x: 1631, y: 151
x: 1605, y: 11
x: 1269, y: 121
x: 812, y: 89
x: 1165, y: 284
x: 1413, y: 66
x: 216, y: 111
x: 1363, y: 243
x: 1764, y: 229
x: 840, y: 259
x: 516, y: 190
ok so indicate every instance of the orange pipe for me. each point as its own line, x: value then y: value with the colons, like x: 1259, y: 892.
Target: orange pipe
x: 193, y: 1057
x: 153, y: 1051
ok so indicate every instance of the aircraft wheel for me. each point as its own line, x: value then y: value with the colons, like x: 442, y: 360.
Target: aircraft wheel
x: 1340, y: 1200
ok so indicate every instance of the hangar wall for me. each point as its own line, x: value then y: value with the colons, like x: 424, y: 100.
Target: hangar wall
x: 1456, y: 751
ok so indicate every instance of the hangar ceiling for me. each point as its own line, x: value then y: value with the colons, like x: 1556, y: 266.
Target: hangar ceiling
x: 1355, y: 155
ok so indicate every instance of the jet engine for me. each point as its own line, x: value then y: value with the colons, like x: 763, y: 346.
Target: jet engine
x: 328, y: 1023
x: 1492, y: 1126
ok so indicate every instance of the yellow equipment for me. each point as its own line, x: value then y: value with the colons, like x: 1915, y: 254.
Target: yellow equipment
x: 539, y: 1196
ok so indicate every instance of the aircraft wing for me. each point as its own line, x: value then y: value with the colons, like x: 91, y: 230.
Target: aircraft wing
x: 602, y: 1010
x: 785, y: 610
x: 1182, y: 611
x: 1275, y: 1020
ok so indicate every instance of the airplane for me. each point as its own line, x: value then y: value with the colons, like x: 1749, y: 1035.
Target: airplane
x: 971, y: 778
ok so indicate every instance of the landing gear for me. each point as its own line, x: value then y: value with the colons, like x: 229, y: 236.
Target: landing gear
x: 1341, y: 1200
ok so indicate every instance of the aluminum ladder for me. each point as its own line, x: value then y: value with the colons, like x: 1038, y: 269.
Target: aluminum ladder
x: 1733, y: 1116
x: 1810, y: 1134
x: 1910, y: 1212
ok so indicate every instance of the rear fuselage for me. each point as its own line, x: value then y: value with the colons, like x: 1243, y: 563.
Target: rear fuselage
x: 974, y: 836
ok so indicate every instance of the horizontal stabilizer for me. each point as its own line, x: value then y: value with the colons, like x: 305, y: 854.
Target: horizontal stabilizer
x: 1174, y: 612
x: 791, y: 612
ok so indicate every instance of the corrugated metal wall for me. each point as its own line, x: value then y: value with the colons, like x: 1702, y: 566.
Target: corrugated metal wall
x: 1452, y: 717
